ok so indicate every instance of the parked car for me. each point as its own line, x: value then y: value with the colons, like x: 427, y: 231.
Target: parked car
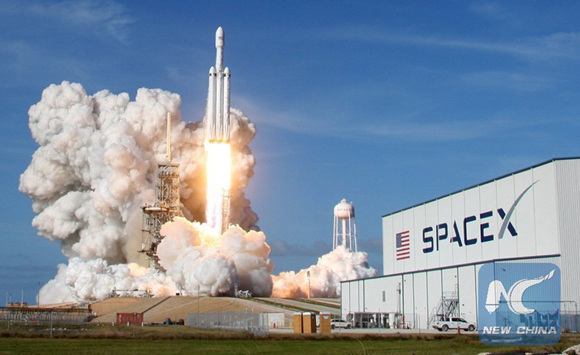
x: 444, y: 324
x: 339, y: 323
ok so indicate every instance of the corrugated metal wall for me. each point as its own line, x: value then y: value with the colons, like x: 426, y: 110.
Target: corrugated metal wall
x: 421, y: 292
x: 470, y: 226
x: 568, y: 192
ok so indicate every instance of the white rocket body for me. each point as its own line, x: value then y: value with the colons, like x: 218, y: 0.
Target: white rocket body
x: 217, y: 119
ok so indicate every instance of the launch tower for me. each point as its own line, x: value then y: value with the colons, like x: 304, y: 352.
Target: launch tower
x: 167, y: 204
x: 344, y: 232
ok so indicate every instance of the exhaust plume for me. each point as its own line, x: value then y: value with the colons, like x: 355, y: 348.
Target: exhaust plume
x: 323, y: 279
x: 95, y: 168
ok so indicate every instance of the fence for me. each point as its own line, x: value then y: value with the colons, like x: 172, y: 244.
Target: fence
x: 567, y: 321
x: 257, y: 323
x: 43, y: 316
x: 570, y: 321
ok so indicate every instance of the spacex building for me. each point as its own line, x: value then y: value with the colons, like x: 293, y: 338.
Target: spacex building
x: 432, y: 252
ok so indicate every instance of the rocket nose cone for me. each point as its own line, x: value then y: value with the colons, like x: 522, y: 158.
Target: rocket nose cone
x: 219, y: 37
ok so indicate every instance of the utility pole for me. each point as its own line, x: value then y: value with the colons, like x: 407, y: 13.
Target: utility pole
x: 308, y: 276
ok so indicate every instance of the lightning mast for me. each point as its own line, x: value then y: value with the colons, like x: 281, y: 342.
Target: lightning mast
x: 167, y: 204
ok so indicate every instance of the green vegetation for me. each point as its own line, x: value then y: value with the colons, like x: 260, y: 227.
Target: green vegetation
x: 94, y: 339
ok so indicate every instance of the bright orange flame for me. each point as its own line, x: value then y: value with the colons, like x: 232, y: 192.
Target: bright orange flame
x: 219, y: 180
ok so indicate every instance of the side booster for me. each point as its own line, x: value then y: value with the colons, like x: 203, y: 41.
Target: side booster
x: 217, y: 119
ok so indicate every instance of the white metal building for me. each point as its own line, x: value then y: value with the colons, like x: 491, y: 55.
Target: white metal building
x: 432, y: 252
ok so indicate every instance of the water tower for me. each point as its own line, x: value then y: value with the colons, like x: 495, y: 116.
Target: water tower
x: 344, y: 226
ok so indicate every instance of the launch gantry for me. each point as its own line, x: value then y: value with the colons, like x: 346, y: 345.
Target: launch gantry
x: 167, y: 205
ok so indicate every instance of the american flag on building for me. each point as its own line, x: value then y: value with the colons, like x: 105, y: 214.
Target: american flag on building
x: 403, y: 245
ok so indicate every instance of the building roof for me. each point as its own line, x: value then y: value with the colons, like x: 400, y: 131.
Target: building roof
x: 483, y: 183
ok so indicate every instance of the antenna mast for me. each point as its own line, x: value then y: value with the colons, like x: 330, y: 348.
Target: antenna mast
x: 168, y: 151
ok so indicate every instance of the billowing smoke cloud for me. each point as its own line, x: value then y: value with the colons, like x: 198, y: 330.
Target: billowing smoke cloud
x: 198, y: 259
x: 96, y: 166
x: 82, y: 280
x: 323, y: 279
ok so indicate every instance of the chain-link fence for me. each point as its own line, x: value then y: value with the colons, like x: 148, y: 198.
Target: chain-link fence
x: 570, y: 321
x: 257, y: 323
x: 43, y: 316
x: 562, y: 314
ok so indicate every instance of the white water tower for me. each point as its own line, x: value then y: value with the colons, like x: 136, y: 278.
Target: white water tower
x: 344, y: 226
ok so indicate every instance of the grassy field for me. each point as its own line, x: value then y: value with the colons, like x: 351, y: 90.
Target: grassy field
x: 181, y: 339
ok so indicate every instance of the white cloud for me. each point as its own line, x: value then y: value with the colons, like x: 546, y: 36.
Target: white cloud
x: 556, y: 45
x: 433, y: 131
x: 408, y: 128
x: 509, y: 81
x: 100, y: 16
x: 25, y: 62
x: 302, y: 122
x: 489, y: 9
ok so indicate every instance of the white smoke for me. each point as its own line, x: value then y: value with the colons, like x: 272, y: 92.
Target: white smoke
x: 201, y: 261
x: 90, y: 280
x: 96, y: 166
x: 323, y: 279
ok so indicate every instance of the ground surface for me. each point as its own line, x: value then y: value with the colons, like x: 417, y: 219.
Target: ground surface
x: 157, y: 310
x: 106, y: 339
x: 313, y: 305
x: 100, y: 336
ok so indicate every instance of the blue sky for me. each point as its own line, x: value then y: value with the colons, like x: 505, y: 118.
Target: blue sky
x: 386, y: 104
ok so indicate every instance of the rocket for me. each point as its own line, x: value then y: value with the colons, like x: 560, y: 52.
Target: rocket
x: 217, y: 118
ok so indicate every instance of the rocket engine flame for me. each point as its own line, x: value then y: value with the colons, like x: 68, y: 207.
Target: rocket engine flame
x: 219, y: 179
